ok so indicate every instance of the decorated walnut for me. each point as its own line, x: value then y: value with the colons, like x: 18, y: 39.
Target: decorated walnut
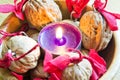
x: 80, y: 71
x: 95, y: 31
x: 19, y: 45
x: 41, y: 12
x: 5, y: 74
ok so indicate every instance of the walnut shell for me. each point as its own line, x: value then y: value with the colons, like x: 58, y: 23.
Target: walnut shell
x: 20, y: 45
x: 95, y: 31
x: 41, y: 12
x: 11, y: 24
x: 33, y: 33
x: 80, y: 71
x: 63, y: 8
x: 39, y: 72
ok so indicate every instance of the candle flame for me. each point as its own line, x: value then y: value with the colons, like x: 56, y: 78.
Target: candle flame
x: 59, y: 33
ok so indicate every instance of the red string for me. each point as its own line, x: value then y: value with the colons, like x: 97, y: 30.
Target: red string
x: 16, y: 8
x: 6, y: 34
x: 25, y: 27
x: 18, y: 76
x: 110, y: 17
x: 37, y: 45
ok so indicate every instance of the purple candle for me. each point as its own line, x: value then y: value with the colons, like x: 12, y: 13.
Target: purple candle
x: 57, y: 37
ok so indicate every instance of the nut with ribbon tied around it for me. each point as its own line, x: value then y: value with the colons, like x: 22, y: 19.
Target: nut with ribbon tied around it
x: 95, y: 32
x: 80, y: 71
x: 41, y: 12
x: 19, y: 54
x: 15, y: 19
x: 97, y: 26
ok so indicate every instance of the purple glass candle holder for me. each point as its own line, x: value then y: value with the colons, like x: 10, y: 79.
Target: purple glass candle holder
x: 59, y: 36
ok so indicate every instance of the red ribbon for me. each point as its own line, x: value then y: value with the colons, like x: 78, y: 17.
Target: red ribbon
x: 16, y: 8
x: 56, y: 66
x: 76, y: 7
x: 18, y: 76
x: 6, y: 34
x: 98, y: 64
x: 110, y: 17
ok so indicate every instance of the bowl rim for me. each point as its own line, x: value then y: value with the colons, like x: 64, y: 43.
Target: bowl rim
x: 115, y: 64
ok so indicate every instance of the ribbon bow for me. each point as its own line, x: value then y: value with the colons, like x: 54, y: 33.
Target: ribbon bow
x: 16, y: 8
x: 56, y: 66
x: 76, y: 7
x: 110, y: 17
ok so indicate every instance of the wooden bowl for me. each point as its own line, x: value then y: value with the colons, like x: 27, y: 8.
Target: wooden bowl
x: 112, y: 56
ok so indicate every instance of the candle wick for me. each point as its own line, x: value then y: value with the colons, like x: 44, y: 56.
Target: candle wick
x: 60, y: 41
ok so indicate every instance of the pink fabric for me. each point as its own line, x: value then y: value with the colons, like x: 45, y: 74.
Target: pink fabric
x: 76, y: 6
x: 6, y: 61
x: 110, y: 17
x: 98, y: 64
x: 16, y: 8
x: 56, y: 66
x: 18, y: 76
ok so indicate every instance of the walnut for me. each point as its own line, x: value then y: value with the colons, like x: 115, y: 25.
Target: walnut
x: 95, y: 31
x: 39, y: 72
x: 20, y: 45
x: 80, y: 71
x: 41, y: 12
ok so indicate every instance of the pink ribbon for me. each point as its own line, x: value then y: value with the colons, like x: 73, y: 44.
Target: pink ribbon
x: 76, y: 7
x: 18, y: 76
x: 110, y: 17
x: 16, y: 8
x: 98, y: 64
x: 56, y: 66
